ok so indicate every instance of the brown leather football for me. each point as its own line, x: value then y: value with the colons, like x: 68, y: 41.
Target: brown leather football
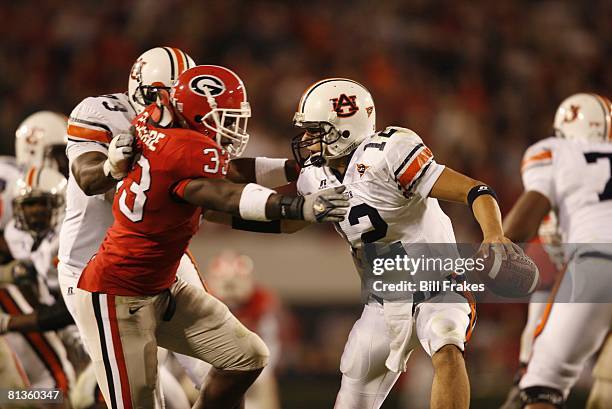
x: 515, y: 277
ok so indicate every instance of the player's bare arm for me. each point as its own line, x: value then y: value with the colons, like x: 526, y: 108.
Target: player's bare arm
x: 269, y: 172
x: 253, y: 202
x: 522, y: 222
x: 89, y: 173
x: 97, y: 173
x: 455, y: 187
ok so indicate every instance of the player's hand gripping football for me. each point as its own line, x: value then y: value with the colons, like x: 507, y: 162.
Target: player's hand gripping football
x: 120, y: 153
x: 501, y: 245
x: 329, y: 205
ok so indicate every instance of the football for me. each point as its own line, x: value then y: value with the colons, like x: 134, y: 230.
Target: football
x: 515, y: 277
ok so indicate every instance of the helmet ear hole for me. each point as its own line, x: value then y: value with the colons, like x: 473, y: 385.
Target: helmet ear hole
x: 198, y: 118
x: 346, y: 134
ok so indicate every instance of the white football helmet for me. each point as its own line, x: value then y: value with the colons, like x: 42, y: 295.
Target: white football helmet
x: 156, y: 68
x: 337, y: 114
x: 584, y: 117
x: 46, y: 188
x: 40, y: 140
x: 230, y: 277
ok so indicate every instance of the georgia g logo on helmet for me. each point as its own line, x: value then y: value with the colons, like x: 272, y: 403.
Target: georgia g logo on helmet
x: 215, y: 85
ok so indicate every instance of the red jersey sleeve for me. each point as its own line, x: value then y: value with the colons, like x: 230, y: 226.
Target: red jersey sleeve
x: 203, y: 158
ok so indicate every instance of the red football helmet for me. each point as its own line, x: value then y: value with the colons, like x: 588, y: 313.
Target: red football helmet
x: 213, y: 101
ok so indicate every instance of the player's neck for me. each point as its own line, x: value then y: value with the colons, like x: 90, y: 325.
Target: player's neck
x: 339, y: 165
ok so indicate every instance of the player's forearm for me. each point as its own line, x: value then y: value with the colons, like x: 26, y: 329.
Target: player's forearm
x: 267, y: 172
x: 487, y: 214
x: 88, y: 171
x: 455, y: 187
x: 522, y: 222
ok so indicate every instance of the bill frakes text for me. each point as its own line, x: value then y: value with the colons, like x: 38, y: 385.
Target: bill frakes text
x: 431, y: 286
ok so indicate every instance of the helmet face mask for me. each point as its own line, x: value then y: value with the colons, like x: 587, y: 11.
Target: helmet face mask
x: 39, y: 200
x: 311, y: 143
x: 145, y: 95
x: 37, y: 212
x: 230, y: 127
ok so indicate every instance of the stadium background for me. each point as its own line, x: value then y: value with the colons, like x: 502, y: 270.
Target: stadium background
x: 479, y: 81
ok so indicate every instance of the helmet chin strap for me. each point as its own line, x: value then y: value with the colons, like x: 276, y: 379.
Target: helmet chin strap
x: 317, y: 159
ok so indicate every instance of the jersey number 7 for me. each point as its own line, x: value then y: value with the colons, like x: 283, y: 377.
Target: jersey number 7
x: 593, y: 157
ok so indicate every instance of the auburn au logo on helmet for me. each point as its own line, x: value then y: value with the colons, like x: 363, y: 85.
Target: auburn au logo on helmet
x: 345, y: 106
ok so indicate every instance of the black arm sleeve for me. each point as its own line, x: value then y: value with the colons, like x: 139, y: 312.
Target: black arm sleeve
x: 255, y: 226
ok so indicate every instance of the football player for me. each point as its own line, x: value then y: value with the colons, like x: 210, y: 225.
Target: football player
x: 571, y: 174
x: 394, y: 185
x: 93, y: 123
x: 547, y: 251
x: 129, y: 299
x: 37, y: 205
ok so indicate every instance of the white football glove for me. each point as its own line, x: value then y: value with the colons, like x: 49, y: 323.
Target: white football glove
x: 329, y: 205
x: 120, y: 153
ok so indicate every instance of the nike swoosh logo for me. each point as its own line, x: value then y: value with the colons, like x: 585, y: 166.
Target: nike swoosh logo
x: 133, y: 311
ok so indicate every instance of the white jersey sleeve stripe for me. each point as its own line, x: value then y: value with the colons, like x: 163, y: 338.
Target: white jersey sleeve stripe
x: 539, y: 159
x: 420, y: 161
x: 78, y: 133
x: 405, y: 161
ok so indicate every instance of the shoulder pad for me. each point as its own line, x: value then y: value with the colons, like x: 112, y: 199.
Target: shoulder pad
x: 539, y: 154
x: 87, y: 122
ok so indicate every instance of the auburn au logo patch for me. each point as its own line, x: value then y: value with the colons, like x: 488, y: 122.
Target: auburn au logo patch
x: 345, y: 106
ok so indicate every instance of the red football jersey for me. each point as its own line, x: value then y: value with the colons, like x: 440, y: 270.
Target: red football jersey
x: 153, y: 225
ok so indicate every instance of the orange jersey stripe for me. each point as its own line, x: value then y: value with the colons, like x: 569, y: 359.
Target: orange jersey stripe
x: 549, y: 305
x: 179, y: 60
x: 415, y: 166
x: 539, y: 157
x: 30, y: 176
x: 87, y: 133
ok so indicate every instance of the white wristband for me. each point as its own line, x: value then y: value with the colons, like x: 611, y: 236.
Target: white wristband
x: 270, y: 172
x: 253, y: 202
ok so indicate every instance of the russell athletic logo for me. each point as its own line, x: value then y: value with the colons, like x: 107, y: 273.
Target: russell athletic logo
x: 215, y: 85
x: 345, y: 106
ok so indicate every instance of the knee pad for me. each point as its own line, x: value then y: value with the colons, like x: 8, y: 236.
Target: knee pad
x: 444, y: 326
x: 542, y: 394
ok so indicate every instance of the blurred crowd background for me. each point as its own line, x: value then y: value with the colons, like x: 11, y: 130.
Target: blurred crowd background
x: 478, y: 80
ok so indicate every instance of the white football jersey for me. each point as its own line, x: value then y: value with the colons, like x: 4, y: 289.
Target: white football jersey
x: 576, y: 177
x: 43, y: 256
x: 9, y: 174
x: 388, y: 180
x: 91, y: 126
